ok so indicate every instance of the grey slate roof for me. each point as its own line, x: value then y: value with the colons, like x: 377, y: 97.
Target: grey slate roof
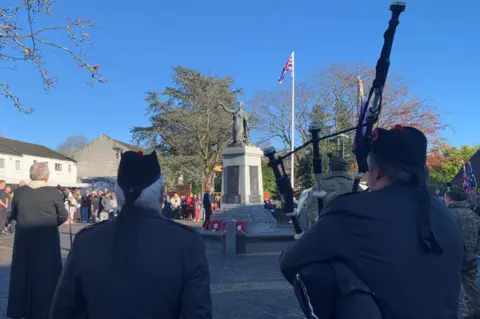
x: 6, y: 150
x: 14, y: 147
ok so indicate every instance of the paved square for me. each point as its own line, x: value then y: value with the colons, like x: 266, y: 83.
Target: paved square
x: 247, y: 287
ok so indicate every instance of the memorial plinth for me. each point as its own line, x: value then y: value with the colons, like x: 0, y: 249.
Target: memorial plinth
x: 242, y: 201
x: 242, y: 182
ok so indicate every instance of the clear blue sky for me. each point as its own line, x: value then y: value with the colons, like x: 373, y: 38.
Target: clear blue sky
x: 138, y: 41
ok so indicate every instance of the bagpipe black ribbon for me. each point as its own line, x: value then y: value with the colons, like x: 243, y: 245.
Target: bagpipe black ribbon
x: 368, y: 117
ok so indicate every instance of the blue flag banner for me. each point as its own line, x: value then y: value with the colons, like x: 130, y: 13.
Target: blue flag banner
x: 473, y: 180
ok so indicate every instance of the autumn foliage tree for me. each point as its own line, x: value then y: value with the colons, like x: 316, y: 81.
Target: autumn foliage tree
x: 329, y: 97
x: 23, y: 36
x: 444, y: 161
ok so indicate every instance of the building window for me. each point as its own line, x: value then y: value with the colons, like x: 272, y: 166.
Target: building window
x: 17, y: 165
x: 58, y: 167
x: 2, y: 163
x: 69, y: 168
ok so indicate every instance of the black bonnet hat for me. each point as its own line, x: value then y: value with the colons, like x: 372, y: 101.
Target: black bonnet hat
x: 137, y: 172
x: 337, y: 163
x: 405, y: 147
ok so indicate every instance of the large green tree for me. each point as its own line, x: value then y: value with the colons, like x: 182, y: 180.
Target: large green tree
x: 188, y: 125
x: 26, y: 33
x: 269, y: 184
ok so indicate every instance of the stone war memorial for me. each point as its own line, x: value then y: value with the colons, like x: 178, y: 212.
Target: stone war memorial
x: 254, y: 228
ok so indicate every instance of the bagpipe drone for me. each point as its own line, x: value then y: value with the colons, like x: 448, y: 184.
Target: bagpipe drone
x: 368, y: 117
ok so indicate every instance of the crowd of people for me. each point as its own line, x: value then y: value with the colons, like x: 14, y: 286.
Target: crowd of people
x: 394, y: 251
x: 7, y: 224
x: 190, y: 207
x: 89, y: 206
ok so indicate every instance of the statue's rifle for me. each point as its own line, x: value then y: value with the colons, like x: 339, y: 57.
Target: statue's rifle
x: 369, y: 115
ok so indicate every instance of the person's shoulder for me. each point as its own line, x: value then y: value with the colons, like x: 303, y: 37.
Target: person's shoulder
x: 344, y: 202
x: 351, y: 196
x: 465, y: 213
x: 91, y: 228
x: 178, y: 226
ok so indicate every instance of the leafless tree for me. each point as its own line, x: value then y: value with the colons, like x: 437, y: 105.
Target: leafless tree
x: 72, y: 144
x: 22, y: 39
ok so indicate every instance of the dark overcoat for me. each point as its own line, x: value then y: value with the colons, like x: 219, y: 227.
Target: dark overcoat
x: 36, y: 260
x: 138, y: 265
x: 376, y: 235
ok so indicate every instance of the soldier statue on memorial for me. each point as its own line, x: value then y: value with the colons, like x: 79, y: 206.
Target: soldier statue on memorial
x: 240, y: 127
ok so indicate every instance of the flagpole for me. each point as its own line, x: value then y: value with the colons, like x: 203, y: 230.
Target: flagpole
x: 292, y: 168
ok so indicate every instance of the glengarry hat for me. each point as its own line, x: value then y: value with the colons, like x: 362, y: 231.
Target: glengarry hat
x: 137, y: 172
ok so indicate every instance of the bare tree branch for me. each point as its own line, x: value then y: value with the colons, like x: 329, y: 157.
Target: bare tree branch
x: 25, y: 45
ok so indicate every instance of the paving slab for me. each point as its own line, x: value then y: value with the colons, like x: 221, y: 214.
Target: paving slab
x: 245, y: 287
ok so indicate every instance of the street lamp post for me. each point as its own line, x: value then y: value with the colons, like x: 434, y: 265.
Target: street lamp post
x: 343, y: 137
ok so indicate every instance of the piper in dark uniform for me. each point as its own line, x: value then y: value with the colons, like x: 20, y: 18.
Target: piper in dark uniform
x: 403, y: 246
x: 138, y: 265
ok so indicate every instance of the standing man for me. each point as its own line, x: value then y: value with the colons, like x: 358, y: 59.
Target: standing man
x: 4, y: 203
x: 37, y: 262
x: 116, y: 269
x: 208, y: 200
x: 403, y: 244
x: 469, y: 223
x: 86, y: 207
x: 337, y: 182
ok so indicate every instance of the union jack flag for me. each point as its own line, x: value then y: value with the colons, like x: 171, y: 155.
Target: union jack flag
x: 288, y: 67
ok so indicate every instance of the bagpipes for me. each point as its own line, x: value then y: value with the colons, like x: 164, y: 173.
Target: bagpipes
x: 363, y: 136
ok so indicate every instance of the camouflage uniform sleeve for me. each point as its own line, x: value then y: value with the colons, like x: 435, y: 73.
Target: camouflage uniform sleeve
x: 469, y: 226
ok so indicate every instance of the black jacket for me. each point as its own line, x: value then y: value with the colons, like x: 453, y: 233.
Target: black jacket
x: 138, y: 265
x: 375, y: 235
x: 208, y: 200
x: 37, y: 259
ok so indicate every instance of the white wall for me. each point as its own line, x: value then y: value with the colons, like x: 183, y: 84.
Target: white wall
x: 8, y: 171
x: 61, y: 172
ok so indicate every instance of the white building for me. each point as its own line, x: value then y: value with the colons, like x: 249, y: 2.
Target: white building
x: 17, y: 157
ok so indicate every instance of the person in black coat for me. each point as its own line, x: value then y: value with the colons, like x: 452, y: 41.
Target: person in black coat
x: 38, y: 210
x: 398, y: 242
x: 138, y: 265
x: 208, y: 200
